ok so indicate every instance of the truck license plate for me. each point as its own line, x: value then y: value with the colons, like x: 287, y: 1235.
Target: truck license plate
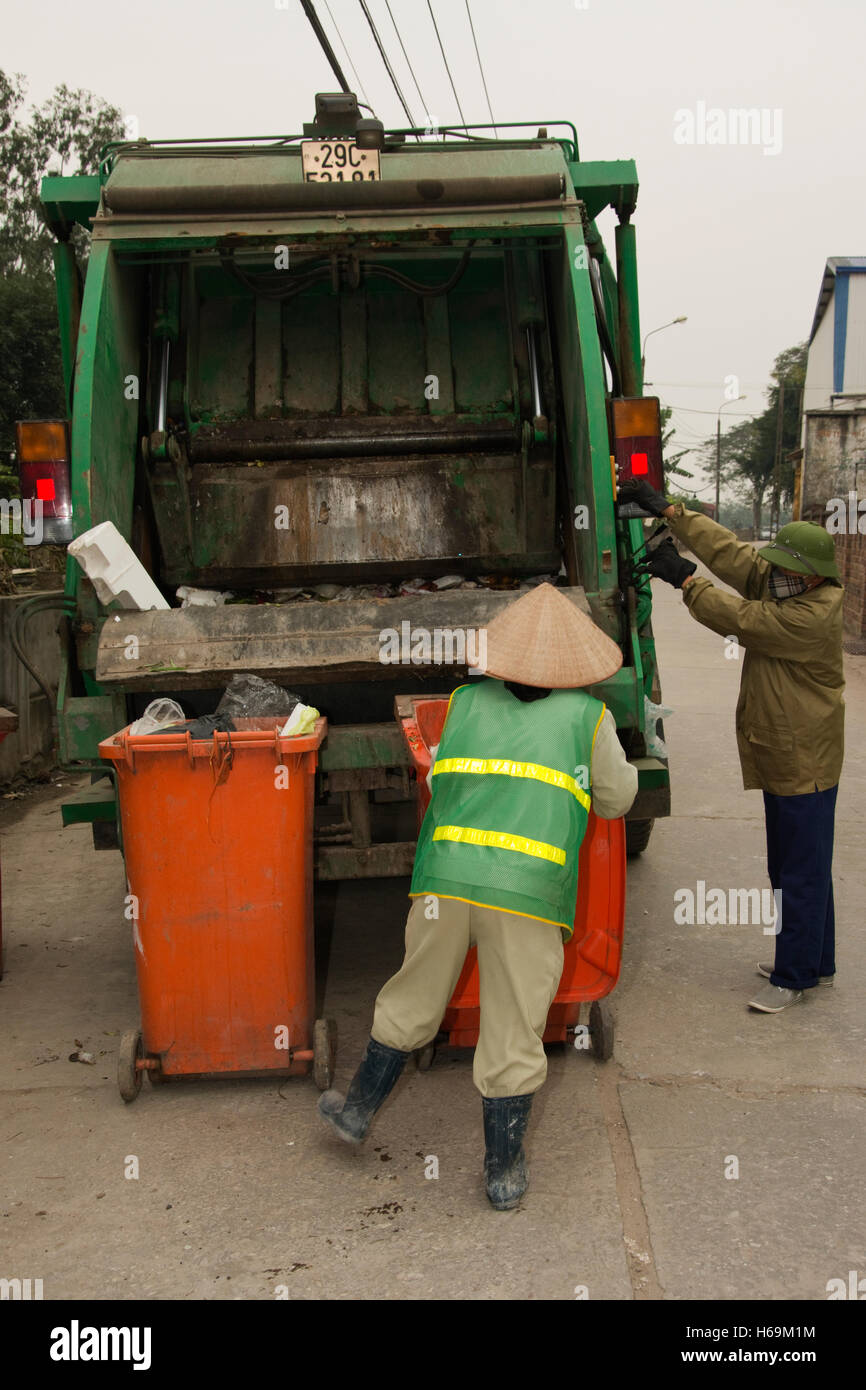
x: 338, y: 161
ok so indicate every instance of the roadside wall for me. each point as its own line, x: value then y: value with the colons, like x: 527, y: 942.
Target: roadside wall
x: 31, y: 749
x: 834, y: 467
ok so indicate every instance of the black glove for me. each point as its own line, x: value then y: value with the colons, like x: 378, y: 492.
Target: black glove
x: 665, y: 562
x: 636, y: 490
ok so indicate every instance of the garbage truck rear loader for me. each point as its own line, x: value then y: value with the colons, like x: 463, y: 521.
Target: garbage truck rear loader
x: 369, y: 384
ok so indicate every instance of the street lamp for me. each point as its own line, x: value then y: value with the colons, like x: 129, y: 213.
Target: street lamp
x: 719, y: 445
x: 682, y: 319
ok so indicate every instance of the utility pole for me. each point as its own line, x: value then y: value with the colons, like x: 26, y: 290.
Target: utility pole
x: 777, y: 463
x: 683, y: 318
x: 718, y: 461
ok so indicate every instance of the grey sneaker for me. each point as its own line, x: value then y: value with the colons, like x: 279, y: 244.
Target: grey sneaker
x: 767, y: 970
x: 772, y: 999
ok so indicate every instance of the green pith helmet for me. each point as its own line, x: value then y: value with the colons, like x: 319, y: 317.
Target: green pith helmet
x: 804, y: 548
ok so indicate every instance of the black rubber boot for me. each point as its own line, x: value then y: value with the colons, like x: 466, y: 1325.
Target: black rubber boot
x: 372, y: 1083
x: 505, y: 1121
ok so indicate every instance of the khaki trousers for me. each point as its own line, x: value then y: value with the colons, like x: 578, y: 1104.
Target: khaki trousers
x: 519, y: 967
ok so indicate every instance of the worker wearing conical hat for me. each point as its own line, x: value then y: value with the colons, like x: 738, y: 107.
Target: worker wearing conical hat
x: 525, y: 753
x: 790, y: 715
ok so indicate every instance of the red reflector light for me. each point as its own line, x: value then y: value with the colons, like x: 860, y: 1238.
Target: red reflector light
x: 44, y: 475
x: 635, y: 426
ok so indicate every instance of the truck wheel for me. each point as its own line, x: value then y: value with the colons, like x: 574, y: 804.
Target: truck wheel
x: 637, y: 833
x: 601, y: 1030
x: 105, y: 835
x: 128, y: 1074
x: 104, y: 832
x: 324, y: 1052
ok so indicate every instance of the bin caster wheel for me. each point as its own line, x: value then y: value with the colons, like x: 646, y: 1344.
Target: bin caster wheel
x: 601, y: 1030
x: 324, y: 1052
x: 424, y: 1056
x: 156, y: 1076
x: 128, y: 1074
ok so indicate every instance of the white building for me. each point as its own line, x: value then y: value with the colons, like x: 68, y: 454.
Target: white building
x: 834, y: 397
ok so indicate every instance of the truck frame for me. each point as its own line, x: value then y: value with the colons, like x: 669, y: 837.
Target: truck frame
x: 278, y: 382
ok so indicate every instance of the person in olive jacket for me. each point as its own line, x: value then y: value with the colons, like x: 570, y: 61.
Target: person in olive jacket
x: 790, y: 714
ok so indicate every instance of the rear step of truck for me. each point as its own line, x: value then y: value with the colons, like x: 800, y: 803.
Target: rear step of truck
x: 300, y: 642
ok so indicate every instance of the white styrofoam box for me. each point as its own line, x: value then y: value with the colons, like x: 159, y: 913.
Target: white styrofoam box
x: 113, y: 569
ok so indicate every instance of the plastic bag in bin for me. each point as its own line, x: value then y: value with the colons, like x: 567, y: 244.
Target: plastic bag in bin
x: 248, y: 697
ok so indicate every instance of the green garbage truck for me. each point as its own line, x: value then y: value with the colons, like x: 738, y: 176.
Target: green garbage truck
x: 367, y: 383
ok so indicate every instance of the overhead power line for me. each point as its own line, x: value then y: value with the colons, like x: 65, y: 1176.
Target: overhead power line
x: 734, y: 414
x: 445, y: 61
x: 480, y: 66
x: 406, y: 56
x: 349, y: 58
x: 390, y: 70
x: 328, y: 51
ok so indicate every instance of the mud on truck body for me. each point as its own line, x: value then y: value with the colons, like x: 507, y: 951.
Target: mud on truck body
x: 278, y: 379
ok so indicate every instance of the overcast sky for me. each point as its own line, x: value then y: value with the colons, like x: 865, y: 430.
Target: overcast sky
x: 731, y: 236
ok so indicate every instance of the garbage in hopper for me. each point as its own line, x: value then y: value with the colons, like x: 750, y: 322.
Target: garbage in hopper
x: 191, y: 597
x: 112, y: 568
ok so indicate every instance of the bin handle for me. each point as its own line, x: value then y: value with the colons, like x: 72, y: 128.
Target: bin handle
x: 128, y: 752
x: 221, y: 759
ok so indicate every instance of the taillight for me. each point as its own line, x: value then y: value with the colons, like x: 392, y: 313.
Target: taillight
x: 637, y: 442
x: 43, y: 472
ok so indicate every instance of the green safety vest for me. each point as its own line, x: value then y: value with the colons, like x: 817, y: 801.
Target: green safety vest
x: 510, y: 801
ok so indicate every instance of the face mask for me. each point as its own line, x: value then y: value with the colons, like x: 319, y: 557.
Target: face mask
x: 787, y: 585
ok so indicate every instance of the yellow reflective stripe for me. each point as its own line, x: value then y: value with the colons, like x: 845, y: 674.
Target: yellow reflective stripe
x: 500, y: 839
x: 464, y: 686
x: 598, y: 724
x: 494, y: 907
x: 592, y: 745
x: 504, y: 767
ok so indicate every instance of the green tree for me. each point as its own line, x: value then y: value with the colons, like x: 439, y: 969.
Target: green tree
x: 64, y: 135
x: 668, y: 430
x: 31, y: 383
x: 756, y: 462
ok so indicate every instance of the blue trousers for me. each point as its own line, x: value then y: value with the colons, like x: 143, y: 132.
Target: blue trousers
x: 799, y: 862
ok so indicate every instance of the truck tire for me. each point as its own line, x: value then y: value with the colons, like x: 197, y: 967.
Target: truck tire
x: 104, y: 832
x: 637, y: 833
x: 105, y: 835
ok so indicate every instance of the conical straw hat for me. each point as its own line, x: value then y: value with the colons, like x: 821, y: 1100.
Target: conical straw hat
x: 543, y: 639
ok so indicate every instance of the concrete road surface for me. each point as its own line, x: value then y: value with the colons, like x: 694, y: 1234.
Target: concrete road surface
x: 719, y: 1155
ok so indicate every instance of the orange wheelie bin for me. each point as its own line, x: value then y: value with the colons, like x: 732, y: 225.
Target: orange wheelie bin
x: 592, y: 957
x: 218, y: 842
